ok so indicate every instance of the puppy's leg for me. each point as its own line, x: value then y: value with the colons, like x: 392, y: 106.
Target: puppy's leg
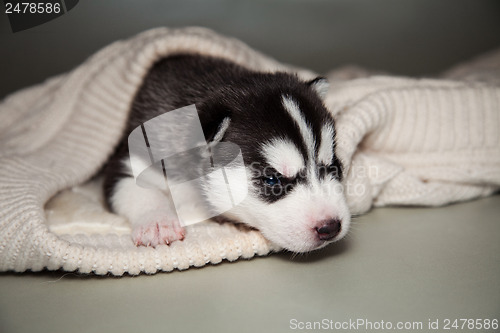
x: 151, y: 213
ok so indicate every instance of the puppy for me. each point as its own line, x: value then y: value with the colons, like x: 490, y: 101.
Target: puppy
x: 286, y: 137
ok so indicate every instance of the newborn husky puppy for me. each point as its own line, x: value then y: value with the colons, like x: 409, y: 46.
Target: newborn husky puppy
x: 287, y: 140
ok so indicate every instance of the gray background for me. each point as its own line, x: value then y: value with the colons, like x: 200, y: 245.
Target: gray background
x: 408, y: 264
x: 410, y: 37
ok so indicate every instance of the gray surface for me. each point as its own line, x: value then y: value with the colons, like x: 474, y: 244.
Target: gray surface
x: 398, y: 264
x: 412, y: 37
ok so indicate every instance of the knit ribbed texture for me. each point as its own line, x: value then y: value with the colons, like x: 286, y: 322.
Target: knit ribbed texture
x: 417, y: 142
x: 428, y: 142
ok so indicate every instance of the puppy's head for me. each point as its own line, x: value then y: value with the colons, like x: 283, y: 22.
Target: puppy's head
x: 287, y: 139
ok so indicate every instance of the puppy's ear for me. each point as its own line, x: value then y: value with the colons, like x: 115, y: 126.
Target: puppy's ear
x: 320, y: 85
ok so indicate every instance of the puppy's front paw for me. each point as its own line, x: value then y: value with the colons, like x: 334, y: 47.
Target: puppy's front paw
x: 157, y: 230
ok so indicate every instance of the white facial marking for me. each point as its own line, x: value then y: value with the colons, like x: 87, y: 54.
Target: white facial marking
x: 305, y: 131
x: 325, y: 153
x: 284, y: 156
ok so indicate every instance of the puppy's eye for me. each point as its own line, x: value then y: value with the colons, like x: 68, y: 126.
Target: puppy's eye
x: 272, y: 180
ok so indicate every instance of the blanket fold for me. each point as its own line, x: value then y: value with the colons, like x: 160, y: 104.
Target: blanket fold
x: 402, y: 141
x: 417, y: 142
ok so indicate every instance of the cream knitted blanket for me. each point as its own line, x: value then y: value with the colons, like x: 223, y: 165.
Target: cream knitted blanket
x: 403, y: 141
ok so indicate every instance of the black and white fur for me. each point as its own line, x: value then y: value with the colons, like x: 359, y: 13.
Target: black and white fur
x: 286, y: 136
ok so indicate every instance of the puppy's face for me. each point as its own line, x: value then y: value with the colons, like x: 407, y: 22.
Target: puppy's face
x: 287, y: 139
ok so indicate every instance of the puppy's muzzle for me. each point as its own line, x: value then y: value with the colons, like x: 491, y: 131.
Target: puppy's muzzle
x: 327, y: 230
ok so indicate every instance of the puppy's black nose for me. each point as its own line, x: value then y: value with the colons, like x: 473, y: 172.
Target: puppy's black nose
x: 327, y: 230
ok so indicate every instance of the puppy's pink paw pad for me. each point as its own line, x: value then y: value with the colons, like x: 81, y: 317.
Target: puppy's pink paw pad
x: 157, y: 233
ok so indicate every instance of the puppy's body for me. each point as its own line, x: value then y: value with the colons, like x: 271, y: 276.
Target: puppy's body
x: 286, y: 137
